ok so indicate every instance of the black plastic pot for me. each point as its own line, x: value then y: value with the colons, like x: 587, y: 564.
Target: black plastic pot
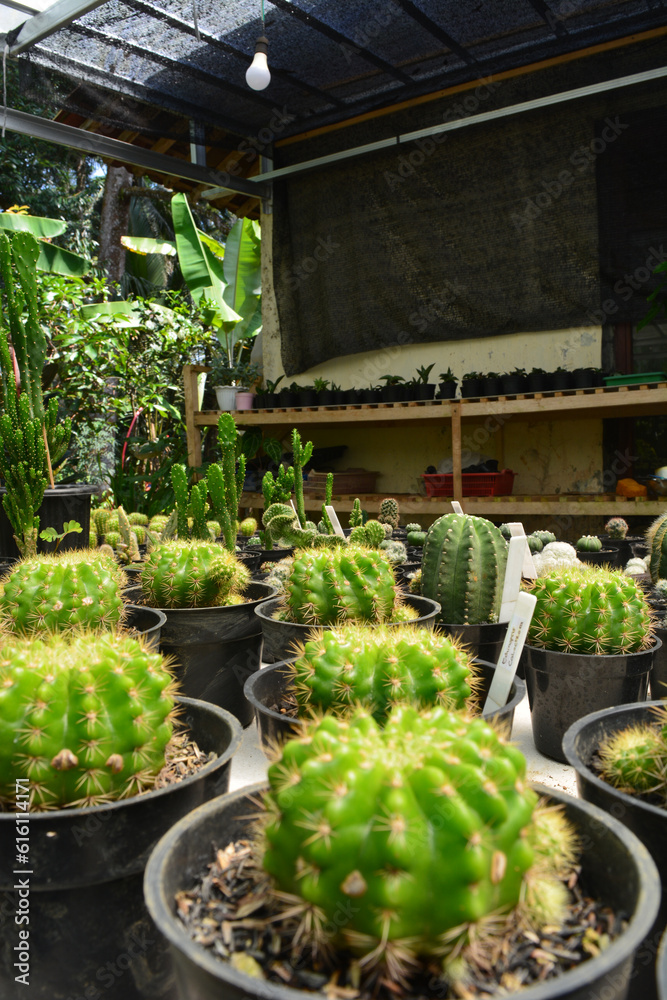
x: 268, y: 687
x: 280, y: 637
x: 67, y: 502
x: 251, y: 558
x: 616, y: 869
x: 484, y: 641
x: 273, y: 555
x: 446, y: 390
x: 561, y: 381
x: 147, y: 621
x: 658, y: 682
x: 403, y: 573
x: 583, y: 378
x: 425, y: 390
x: 537, y: 382
x: 391, y: 394
x: 512, y: 384
x: 471, y: 387
x: 603, y: 557
x: 90, y: 934
x: 491, y: 386
x: 563, y: 687
x: 626, y: 546
x: 215, y: 649
x: 647, y: 821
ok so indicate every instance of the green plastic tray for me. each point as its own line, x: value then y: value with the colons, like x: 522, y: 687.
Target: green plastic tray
x: 635, y: 379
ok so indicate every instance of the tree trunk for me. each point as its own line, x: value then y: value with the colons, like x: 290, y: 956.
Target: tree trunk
x: 114, y: 221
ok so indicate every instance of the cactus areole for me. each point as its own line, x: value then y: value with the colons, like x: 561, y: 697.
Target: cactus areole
x: 463, y: 568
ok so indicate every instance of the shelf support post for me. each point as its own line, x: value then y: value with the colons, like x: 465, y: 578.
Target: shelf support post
x: 191, y: 400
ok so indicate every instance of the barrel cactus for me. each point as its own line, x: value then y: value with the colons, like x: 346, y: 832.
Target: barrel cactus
x: 192, y: 574
x: 383, y: 841
x: 389, y: 512
x: 56, y: 593
x: 381, y: 666
x: 416, y: 538
x: 617, y: 527
x: 463, y: 568
x: 371, y: 533
x: 656, y: 539
x: 587, y: 609
x: 588, y: 543
x: 635, y: 759
x: 328, y: 586
x: 85, y: 718
x: 136, y: 518
x: 248, y: 527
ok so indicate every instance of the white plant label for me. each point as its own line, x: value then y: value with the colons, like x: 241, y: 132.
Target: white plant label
x: 513, y: 570
x: 510, y: 654
x: 529, y: 571
x: 456, y: 507
x: 335, y: 523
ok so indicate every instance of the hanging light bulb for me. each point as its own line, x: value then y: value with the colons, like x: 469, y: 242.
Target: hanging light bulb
x: 257, y: 75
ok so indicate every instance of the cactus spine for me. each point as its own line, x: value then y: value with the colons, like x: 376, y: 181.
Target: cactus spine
x: 463, y: 568
x: 192, y: 574
x: 301, y: 454
x: 380, y: 667
x: 635, y: 759
x: 389, y: 512
x: 225, y: 481
x: 328, y: 586
x: 86, y: 718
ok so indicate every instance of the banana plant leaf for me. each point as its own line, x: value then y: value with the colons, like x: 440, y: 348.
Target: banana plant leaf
x: 108, y: 310
x: 43, y: 229
x: 55, y: 260
x: 146, y: 245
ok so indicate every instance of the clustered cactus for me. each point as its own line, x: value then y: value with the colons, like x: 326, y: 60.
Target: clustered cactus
x: 389, y: 512
x: 192, y: 574
x: 381, y: 667
x: 463, y: 568
x: 356, y: 514
x: 370, y: 534
x: 86, y: 718
x: 634, y: 759
x: 586, y: 609
x: 396, y: 841
x: 51, y: 593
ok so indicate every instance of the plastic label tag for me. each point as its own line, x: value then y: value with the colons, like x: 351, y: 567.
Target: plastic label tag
x: 529, y: 571
x: 335, y: 523
x: 512, y: 583
x: 456, y: 507
x: 510, y: 654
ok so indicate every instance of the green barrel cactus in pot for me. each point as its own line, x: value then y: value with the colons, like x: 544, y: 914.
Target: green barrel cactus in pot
x: 193, y: 574
x: 588, y: 543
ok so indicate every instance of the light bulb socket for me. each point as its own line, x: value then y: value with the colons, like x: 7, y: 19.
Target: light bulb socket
x: 262, y: 45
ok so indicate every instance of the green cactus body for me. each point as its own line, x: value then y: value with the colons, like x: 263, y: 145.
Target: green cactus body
x: 157, y: 523
x: 92, y: 538
x: 380, y: 667
x: 545, y: 536
x: 113, y: 539
x: 616, y: 527
x: 395, y: 552
x: 392, y: 837
x: 192, y: 574
x: 54, y: 593
x: 248, y: 527
x: 371, y: 534
x: 356, y: 514
x: 86, y: 718
x: 100, y: 518
x: 634, y: 759
x: 139, y: 531
x: 535, y: 543
x: 136, y: 518
x: 112, y: 523
x: 656, y: 539
x: 589, y: 543
x: 586, y: 609
x: 389, y: 512
x: 463, y: 568
x: 416, y: 538
x: 328, y: 586
x: 413, y: 526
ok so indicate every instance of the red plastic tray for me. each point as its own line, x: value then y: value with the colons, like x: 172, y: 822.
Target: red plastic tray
x: 475, y: 484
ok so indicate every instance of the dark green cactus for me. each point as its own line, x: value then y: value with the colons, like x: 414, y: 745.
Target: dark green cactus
x: 393, y: 841
x: 389, y: 512
x: 463, y: 568
x: 616, y: 527
x: 545, y: 536
x: 75, y: 589
x: 26, y: 426
x: 656, y: 539
x: 587, y: 609
x: 301, y: 454
x: 328, y: 586
x: 191, y: 505
x: 192, y: 574
x: 325, y: 526
x: 379, y: 667
x: 588, y: 543
x: 535, y: 543
x: 416, y: 538
x: 85, y: 718
x: 413, y: 526
x: 225, y: 480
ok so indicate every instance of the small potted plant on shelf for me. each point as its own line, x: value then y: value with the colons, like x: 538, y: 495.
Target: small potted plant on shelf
x: 325, y: 392
x: 514, y: 382
x: 590, y: 550
x: 422, y: 388
x: 392, y: 391
x: 471, y: 384
x: 491, y: 384
x: 537, y: 380
x: 447, y: 386
x: 269, y: 398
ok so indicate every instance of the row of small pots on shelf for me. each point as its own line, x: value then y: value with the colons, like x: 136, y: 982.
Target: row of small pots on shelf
x: 513, y: 383
x: 346, y: 397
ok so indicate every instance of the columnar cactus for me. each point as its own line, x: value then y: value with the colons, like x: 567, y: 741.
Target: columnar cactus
x: 389, y: 512
x: 463, y: 568
x: 324, y: 525
x: 100, y: 518
x: 301, y: 454
x: 656, y: 539
x: 127, y: 548
x: 85, y: 718
x: 616, y: 527
x: 56, y: 593
x: 225, y: 480
x: 192, y: 574
x: 588, y: 543
x: 356, y: 514
x: 191, y: 505
x: 328, y: 586
x: 586, y: 609
x: 380, y: 667
x: 393, y: 841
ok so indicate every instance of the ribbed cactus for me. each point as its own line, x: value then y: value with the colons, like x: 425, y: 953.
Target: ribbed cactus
x: 393, y: 841
x: 191, y: 505
x: 413, y: 526
x: 86, y: 718
x: 379, y: 667
x: 371, y: 534
x: 248, y: 527
x: 301, y: 454
x: 127, y: 549
x: 656, y: 539
x: 192, y: 574
x: 463, y: 568
x: 328, y: 586
x: 416, y: 538
x: 26, y: 426
x: 324, y: 525
x: 635, y: 759
x: 616, y: 527
x: 586, y: 609
x: 157, y: 523
x: 389, y: 512
x: 282, y: 524
x: 356, y: 514
x: 225, y: 480
x: 56, y: 593
x: 100, y: 518
x: 588, y: 543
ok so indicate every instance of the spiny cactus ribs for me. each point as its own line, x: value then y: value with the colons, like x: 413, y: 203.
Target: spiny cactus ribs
x: 389, y: 512
x: 86, y: 718
x: 380, y: 667
x: 586, y: 609
x: 635, y: 759
x: 616, y: 527
x: 328, y: 586
x: 656, y: 539
x: 386, y: 840
x: 54, y: 593
x: 589, y: 543
x: 193, y: 574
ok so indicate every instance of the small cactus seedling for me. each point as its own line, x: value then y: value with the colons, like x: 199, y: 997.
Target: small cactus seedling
x: 395, y: 842
x: 535, y: 543
x: 85, y: 719
x: 52, y: 593
x: 616, y: 527
x: 248, y: 527
x: 193, y: 574
x: 587, y: 609
x: 416, y: 538
x: 395, y: 551
x: 157, y: 523
x: 356, y: 514
x: 389, y: 512
x: 635, y: 759
x: 413, y: 526
x: 588, y: 543
x: 379, y: 667
x: 546, y: 537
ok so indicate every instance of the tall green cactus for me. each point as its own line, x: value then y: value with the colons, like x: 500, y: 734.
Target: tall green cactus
x: 656, y: 539
x: 463, y: 568
x: 25, y: 425
x: 356, y: 514
x: 189, y: 504
x: 301, y: 455
x: 225, y: 481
